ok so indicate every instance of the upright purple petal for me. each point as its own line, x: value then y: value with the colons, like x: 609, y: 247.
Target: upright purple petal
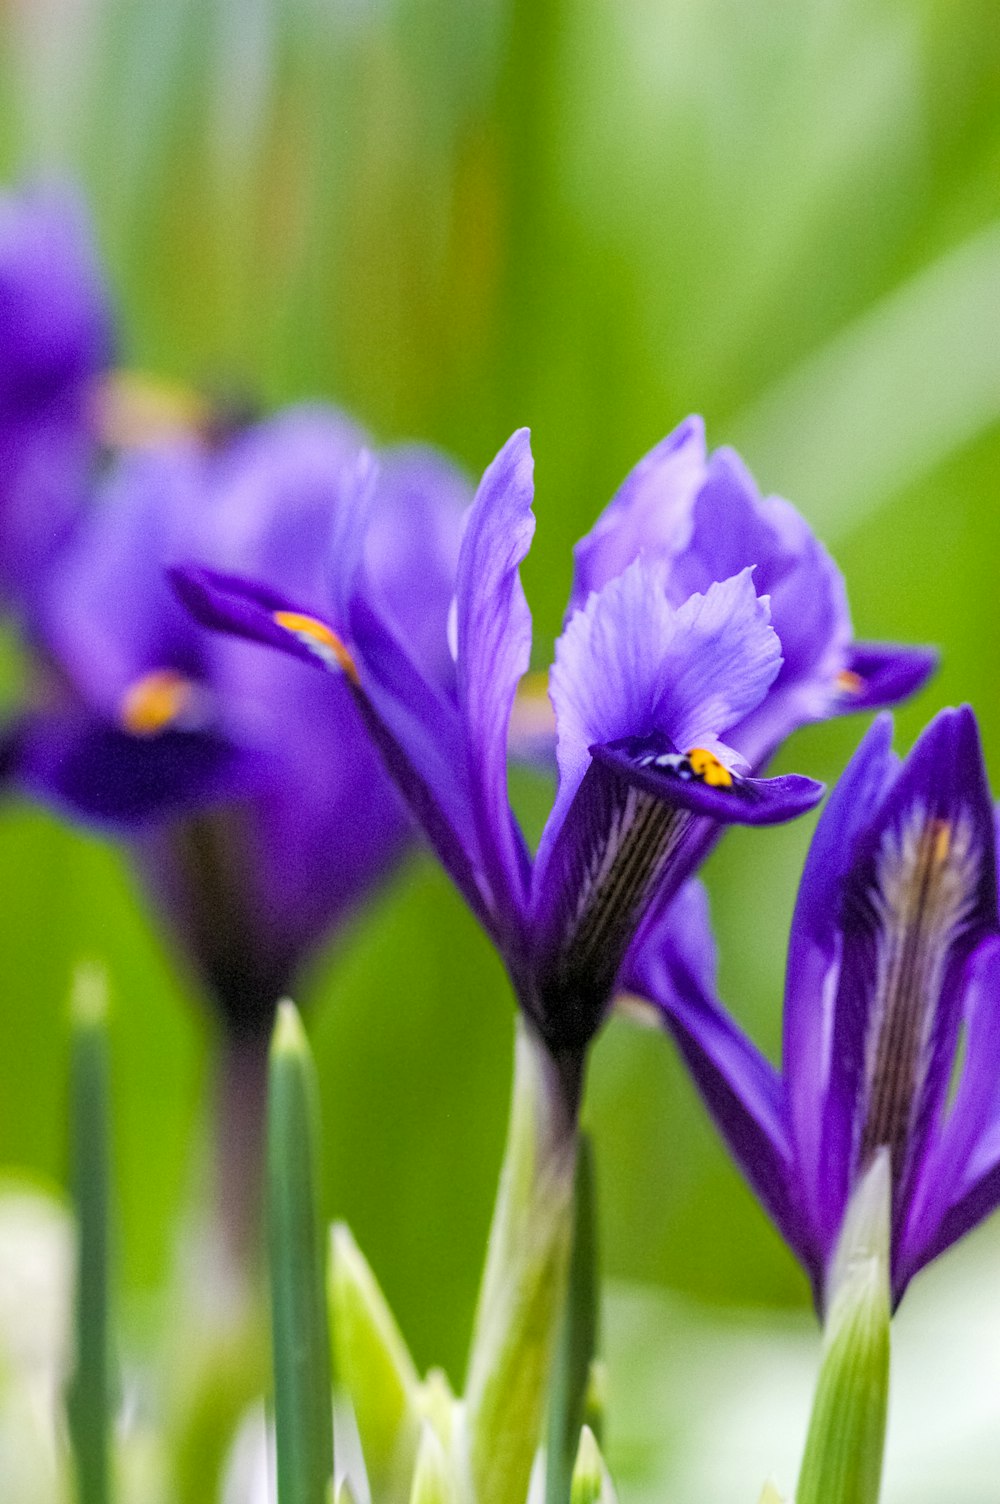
x: 821, y: 1127
x: 958, y: 1182
x: 650, y: 516
x: 493, y: 652
x: 920, y: 896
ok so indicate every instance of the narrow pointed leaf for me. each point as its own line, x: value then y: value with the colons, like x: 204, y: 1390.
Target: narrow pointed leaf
x: 303, y: 1407
x: 591, y: 1484
x: 374, y: 1368
x: 90, y: 1398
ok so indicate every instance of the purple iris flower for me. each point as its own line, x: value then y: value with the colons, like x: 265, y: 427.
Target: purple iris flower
x: 894, y: 956
x: 704, y: 519
x: 55, y: 343
x: 255, y: 805
x: 644, y: 690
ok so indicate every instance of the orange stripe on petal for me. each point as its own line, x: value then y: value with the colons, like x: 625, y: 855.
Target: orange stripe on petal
x: 319, y: 639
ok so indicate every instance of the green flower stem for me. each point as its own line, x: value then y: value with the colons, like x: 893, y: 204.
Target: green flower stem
x: 523, y: 1290
x: 577, y: 1337
x: 843, y: 1455
x: 90, y: 1397
x: 303, y: 1407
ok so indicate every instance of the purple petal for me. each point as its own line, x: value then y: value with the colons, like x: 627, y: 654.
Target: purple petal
x: 821, y: 1127
x: 493, y: 651
x: 920, y: 895
x: 959, y: 1179
x: 630, y: 665
x: 247, y: 608
x: 653, y: 765
x: 650, y: 515
x: 877, y: 673
x: 99, y: 773
x: 742, y: 1091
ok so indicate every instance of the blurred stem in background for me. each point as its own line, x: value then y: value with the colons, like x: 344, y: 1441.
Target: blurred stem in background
x: 90, y: 1399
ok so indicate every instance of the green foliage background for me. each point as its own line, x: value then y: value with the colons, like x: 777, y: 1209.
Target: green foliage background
x: 591, y: 216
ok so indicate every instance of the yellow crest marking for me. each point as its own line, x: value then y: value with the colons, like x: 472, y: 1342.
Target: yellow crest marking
x: 848, y: 682
x: 318, y: 638
x: 707, y: 767
x: 155, y: 702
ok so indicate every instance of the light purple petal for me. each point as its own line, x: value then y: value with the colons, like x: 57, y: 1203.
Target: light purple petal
x: 650, y: 515
x: 630, y: 665
x: 493, y: 651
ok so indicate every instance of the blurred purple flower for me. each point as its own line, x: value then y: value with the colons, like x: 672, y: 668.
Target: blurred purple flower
x: 55, y: 343
x: 257, y: 809
x: 894, y: 953
x: 644, y: 693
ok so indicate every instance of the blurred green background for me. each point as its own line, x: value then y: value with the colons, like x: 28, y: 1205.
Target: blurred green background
x: 591, y: 216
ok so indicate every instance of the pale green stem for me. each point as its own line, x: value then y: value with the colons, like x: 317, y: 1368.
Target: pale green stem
x: 843, y: 1455
x: 524, y: 1285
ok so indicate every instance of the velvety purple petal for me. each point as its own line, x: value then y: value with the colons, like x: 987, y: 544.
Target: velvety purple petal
x: 650, y: 764
x: 96, y: 772
x: 493, y: 651
x: 958, y: 1181
x: 630, y: 665
x: 821, y: 1126
x: 650, y: 515
x: 883, y: 673
x: 743, y: 1093
x: 920, y: 895
x: 247, y: 608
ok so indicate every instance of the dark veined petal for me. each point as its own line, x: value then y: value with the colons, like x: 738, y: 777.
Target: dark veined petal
x: 741, y: 1089
x: 882, y: 673
x: 821, y: 1128
x: 620, y: 848
x: 959, y: 1179
x: 920, y: 895
x: 493, y: 626
x: 680, y: 929
x: 612, y: 855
